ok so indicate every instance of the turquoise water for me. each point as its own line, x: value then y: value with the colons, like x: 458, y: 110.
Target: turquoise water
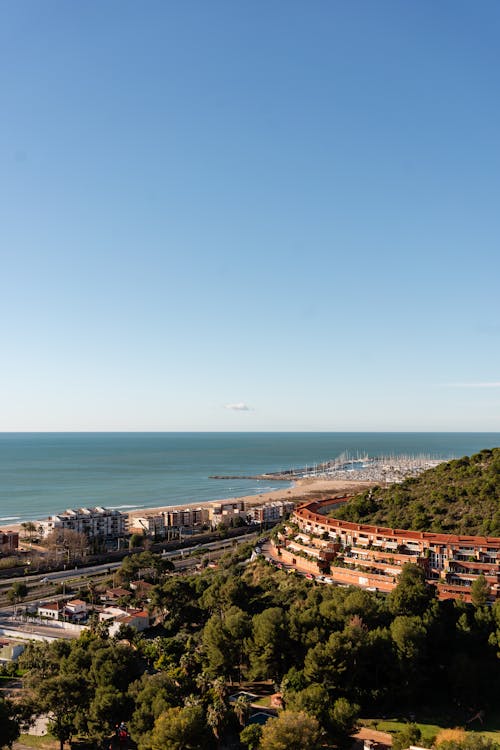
x: 43, y: 473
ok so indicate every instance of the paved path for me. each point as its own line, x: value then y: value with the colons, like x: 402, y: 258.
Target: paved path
x: 381, y: 738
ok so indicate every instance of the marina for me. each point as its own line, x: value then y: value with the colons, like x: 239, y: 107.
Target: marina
x: 381, y: 469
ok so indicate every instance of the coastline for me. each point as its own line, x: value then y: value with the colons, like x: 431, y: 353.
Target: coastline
x: 301, y: 490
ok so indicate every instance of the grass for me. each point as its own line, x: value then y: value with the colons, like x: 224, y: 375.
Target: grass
x: 265, y: 701
x: 427, y: 730
x: 430, y: 727
x: 47, y: 742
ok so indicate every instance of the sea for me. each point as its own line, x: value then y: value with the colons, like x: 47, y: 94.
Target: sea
x: 45, y: 473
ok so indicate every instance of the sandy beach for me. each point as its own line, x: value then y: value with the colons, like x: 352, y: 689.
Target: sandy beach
x: 302, y: 490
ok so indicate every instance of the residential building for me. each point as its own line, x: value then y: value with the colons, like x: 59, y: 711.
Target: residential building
x: 186, y: 518
x: 95, y: 523
x: 118, y: 616
x: 76, y: 609
x: 10, y: 650
x: 270, y: 512
x: 112, y: 595
x: 9, y: 541
x: 51, y: 610
x: 225, y: 513
x: 151, y: 525
x: 372, y: 556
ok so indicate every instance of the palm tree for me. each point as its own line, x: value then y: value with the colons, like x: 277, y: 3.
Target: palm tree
x: 241, y: 708
x: 216, y: 714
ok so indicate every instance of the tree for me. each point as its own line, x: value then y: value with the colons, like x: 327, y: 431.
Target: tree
x: 61, y: 696
x: 30, y: 528
x: 216, y: 716
x: 152, y: 695
x: 9, y: 725
x: 136, y: 540
x: 67, y: 541
x: 480, y: 591
x: 292, y: 730
x: 470, y: 741
x: 343, y: 717
x: 269, y: 638
x: 106, y: 708
x: 241, y: 708
x: 179, y: 729
x: 408, y: 633
x: 313, y: 700
x: 251, y: 736
x: 217, y: 647
x: 17, y: 592
x: 412, y: 595
x: 410, y: 735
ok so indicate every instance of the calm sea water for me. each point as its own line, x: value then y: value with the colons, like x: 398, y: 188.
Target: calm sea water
x: 43, y: 473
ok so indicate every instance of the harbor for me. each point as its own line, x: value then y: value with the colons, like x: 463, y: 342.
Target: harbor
x: 376, y: 469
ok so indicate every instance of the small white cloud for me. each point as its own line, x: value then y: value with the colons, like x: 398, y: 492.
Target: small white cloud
x: 494, y: 384
x: 238, y: 407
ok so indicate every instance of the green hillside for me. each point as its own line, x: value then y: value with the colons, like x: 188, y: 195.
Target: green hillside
x: 458, y: 497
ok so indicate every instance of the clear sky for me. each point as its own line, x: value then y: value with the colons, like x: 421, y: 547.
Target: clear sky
x: 266, y: 215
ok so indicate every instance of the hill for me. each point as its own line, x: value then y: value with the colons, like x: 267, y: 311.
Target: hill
x: 457, y: 497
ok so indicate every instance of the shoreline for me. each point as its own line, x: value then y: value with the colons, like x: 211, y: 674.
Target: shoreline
x: 301, y: 490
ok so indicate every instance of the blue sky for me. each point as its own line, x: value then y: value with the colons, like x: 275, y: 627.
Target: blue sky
x: 285, y: 208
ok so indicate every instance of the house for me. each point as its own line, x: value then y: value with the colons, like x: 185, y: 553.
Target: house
x: 112, y: 595
x: 10, y: 650
x: 118, y: 616
x: 142, y: 589
x: 76, y: 609
x: 138, y: 619
x: 50, y: 610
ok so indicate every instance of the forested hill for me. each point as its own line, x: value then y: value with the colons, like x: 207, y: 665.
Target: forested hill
x: 458, y: 497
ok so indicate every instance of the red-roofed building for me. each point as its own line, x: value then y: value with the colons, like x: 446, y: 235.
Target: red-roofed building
x: 372, y: 556
x: 50, y: 610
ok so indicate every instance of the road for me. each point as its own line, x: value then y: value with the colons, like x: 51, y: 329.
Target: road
x: 183, y: 560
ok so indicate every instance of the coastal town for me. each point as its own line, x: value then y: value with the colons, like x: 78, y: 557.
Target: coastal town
x: 100, y: 571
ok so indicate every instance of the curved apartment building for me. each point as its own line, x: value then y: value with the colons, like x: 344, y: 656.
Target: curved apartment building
x: 372, y: 556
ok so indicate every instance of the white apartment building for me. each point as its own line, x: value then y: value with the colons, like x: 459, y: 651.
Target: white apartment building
x: 101, y: 523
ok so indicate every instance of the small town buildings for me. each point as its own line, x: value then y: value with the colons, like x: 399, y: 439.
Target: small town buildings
x: 9, y: 541
x: 95, y: 523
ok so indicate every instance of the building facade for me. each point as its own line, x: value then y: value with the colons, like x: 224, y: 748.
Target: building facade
x: 95, y: 523
x: 373, y: 556
x: 9, y: 541
x: 270, y: 512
